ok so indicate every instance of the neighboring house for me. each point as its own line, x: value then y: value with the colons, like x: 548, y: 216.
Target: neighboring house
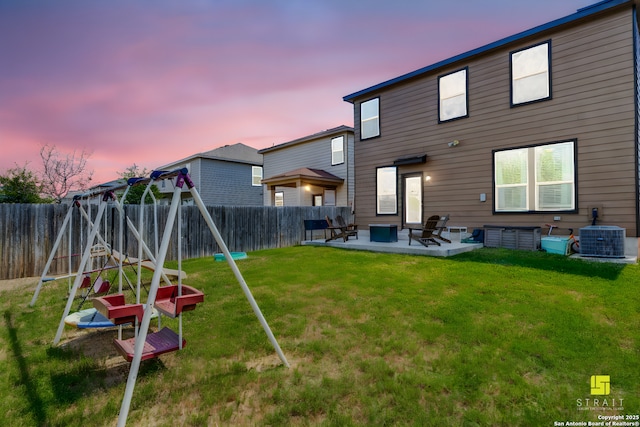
x: 316, y: 170
x: 101, y: 187
x: 95, y: 189
x: 536, y: 128
x: 228, y: 175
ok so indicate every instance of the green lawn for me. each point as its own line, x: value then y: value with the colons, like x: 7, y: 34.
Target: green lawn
x: 491, y: 337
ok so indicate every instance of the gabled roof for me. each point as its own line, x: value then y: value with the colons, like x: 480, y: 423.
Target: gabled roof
x: 322, y: 134
x: 238, y: 153
x: 581, y: 14
x: 313, y: 176
x: 105, y: 185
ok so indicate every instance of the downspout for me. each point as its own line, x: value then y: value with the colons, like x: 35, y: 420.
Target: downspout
x: 636, y: 69
x: 351, y: 175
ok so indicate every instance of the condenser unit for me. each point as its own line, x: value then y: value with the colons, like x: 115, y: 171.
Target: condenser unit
x: 602, y: 241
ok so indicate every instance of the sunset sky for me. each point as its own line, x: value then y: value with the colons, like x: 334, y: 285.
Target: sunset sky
x: 151, y: 82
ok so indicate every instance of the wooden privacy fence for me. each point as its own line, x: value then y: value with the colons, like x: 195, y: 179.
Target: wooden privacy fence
x: 28, y: 232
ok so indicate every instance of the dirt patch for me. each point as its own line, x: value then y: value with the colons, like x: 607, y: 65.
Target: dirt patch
x: 98, y: 345
x: 267, y: 362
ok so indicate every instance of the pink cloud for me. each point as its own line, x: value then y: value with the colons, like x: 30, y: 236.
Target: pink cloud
x: 150, y: 85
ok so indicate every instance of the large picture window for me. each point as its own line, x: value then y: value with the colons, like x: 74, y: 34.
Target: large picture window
x: 386, y: 191
x: 531, y: 74
x: 370, y: 118
x: 452, y: 93
x: 538, y: 179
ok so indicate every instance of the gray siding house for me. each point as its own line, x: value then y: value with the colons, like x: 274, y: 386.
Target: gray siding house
x: 540, y: 127
x: 228, y: 175
x: 316, y: 170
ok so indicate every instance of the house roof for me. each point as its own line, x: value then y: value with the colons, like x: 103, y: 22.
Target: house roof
x: 106, y: 185
x: 581, y: 14
x: 307, y: 175
x: 239, y: 153
x: 321, y: 134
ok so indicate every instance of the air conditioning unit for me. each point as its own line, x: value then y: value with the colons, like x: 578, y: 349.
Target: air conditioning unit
x: 602, y: 241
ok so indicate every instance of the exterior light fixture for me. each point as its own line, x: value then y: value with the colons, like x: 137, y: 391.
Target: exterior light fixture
x: 453, y: 143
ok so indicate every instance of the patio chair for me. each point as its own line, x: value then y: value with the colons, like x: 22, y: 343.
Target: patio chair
x: 348, y: 229
x: 336, y: 232
x: 440, y: 227
x: 425, y: 235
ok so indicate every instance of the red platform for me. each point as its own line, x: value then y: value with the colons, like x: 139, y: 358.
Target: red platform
x: 114, y: 307
x: 157, y: 343
x: 170, y: 304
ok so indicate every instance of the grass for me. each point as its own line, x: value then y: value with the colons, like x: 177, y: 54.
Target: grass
x: 491, y: 337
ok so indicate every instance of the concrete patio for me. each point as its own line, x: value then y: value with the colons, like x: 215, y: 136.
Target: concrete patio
x: 445, y: 249
x: 362, y: 243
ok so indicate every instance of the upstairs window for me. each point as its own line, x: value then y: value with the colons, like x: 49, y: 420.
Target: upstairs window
x: 370, y: 118
x: 530, y: 74
x: 535, y: 179
x: 256, y: 176
x: 452, y: 93
x: 337, y: 150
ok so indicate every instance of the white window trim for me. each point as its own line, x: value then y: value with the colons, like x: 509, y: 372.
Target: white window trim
x: 256, y: 172
x: 278, y: 198
x: 532, y: 184
x: 337, y: 149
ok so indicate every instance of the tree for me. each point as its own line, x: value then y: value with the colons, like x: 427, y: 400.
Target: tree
x: 63, y: 173
x: 135, y: 193
x: 20, y: 185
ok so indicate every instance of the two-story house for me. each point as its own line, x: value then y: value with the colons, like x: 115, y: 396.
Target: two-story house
x: 540, y: 127
x: 228, y: 175
x: 315, y: 170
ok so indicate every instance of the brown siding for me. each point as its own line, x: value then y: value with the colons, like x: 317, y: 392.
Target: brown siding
x: 593, y: 102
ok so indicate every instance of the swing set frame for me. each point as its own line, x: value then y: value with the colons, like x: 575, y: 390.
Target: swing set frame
x: 169, y: 300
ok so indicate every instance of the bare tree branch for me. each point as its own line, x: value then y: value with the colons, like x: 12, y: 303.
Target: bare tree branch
x: 64, y: 173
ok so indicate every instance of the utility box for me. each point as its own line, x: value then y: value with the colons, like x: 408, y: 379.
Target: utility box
x: 383, y: 233
x: 512, y: 237
x: 602, y: 241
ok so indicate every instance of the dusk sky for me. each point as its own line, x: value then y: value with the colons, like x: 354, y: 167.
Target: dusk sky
x: 151, y: 82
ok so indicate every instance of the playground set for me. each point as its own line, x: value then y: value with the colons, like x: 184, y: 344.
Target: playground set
x: 165, y: 298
